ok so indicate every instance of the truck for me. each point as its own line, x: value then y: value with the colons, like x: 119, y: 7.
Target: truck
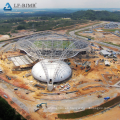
x: 69, y: 63
x: 82, y: 67
x: 88, y: 68
x: 5, y: 96
x: 106, y: 98
x: 40, y: 105
x: 35, y: 110
x: 8, y: 77
x: 99, y: 96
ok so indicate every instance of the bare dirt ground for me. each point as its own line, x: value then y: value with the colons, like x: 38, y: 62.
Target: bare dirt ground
x: 18, y: 34
x: 4, y: 37
x: 59, y: 31
x: 77, y: 27
x: 15, y: 106
x: 111, y: 78
x: 82, y: 82
x: 100, y: 36
x: 78, y: 76
x: 22, y: 33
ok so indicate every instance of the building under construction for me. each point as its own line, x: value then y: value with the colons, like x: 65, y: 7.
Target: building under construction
x: 46, y: 54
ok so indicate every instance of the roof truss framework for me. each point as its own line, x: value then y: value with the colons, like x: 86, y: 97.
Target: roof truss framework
x: 56, y: 47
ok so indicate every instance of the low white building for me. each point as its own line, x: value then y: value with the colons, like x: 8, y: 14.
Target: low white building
x: 105, y: 53
x: 107, y: 63
x: 99, y: 30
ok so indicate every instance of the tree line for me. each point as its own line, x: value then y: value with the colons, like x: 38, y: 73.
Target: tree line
x: 96, y: 15
x: 40, y: 21
x: 50, y: 15
x: 7, y: 112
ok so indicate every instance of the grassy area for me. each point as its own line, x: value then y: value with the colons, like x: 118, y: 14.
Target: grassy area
x: 77, y: 33
x: 56, y: 44
x: 102, y: 107
x: 13, y: 24
x: 112, y: 44
x: 81, y: 27
x: 110, y: 30
x: 5, y: 28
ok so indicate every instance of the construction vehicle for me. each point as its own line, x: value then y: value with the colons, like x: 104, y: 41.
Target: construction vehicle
x: 5, y: 96
x: 99, y: 96
x: 82, y: 67
x: 15, y: 88
x: 115, y: 59
x: 107, y: 98
x: 8, y: 77
x: 74, y: 69
x: 40, y: 105
x: 88, y: 68
x: 84, y: 63
x: 35, y: 110
x: 89, y: 38
x: 69, y: 63
x: 99, y: 80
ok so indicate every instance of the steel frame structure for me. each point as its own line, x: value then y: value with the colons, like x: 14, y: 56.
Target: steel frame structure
x: 53, y: 49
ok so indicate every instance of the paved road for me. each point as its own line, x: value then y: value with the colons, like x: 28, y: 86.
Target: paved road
x: 72, y: 33
x: 77, y: 104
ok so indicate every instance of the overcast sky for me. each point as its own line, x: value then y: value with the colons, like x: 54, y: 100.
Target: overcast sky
x: 66, y: 3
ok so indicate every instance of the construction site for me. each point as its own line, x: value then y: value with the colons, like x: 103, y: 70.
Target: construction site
x: 47, y: 74
x: 108, y: 33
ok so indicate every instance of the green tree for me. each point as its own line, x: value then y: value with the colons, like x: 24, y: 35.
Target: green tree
x: 20, y: 27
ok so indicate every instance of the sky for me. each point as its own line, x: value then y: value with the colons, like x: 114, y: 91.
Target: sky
x: 66, y: 3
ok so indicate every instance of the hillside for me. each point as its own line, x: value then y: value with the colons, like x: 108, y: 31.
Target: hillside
x: 96, y: 15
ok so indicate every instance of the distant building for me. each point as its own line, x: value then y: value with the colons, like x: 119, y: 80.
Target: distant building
x: 117, y: 32
x: 107, y: 63
x: 111, y: 25
x: 88, y: 32
x: 99, y: 30
x: 105, y: 53
x: 1, y: 71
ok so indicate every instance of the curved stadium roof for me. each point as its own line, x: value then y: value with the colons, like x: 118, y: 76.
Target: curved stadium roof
x: 47, y: 46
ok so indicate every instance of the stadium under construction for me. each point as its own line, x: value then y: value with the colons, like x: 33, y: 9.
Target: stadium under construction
x: 46, y: 53
x: 67, y: 74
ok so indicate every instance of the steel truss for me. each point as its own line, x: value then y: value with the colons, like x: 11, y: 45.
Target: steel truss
x: 59, y: 47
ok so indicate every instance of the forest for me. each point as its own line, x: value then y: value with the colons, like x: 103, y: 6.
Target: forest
x: 7, y: 112
x: 51, y: 20
x: 96, y: 15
